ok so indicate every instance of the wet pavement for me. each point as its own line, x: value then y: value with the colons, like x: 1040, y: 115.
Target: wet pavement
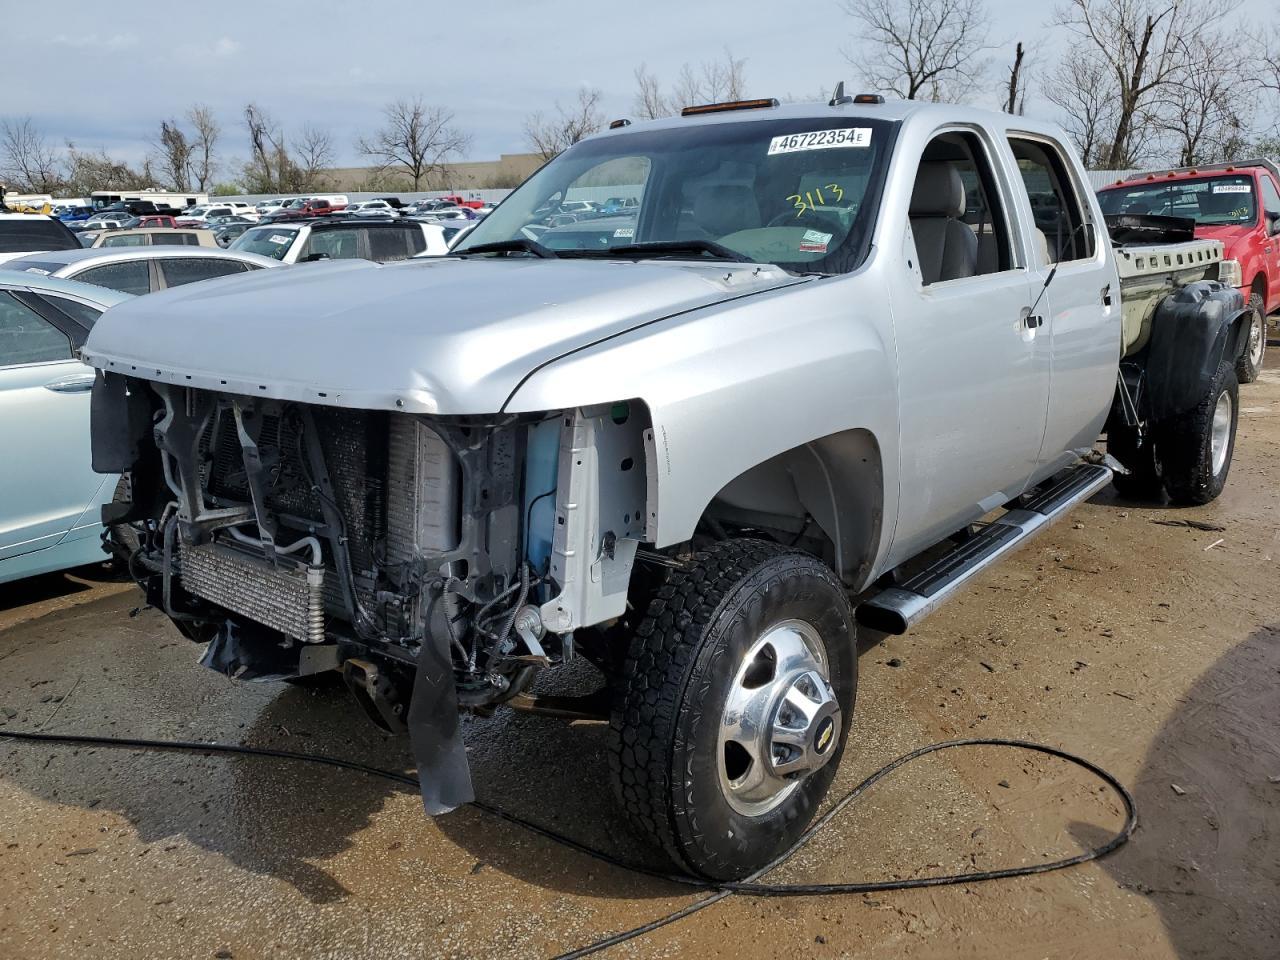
x: 1151, y: 649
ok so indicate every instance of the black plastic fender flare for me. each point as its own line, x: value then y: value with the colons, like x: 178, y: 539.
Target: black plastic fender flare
x: 1192, y: 331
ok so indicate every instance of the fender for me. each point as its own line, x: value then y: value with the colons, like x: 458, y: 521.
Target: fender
x: 1192, y: 331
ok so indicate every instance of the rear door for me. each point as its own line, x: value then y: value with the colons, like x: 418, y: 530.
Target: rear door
x: 974, y: 375
x: 48, y: 483
x: 1081, y: 308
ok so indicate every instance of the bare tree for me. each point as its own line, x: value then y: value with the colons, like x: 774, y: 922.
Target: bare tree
x: 87, y: 172
x: 1140, y: 43
x: 174, y: 155
x: 920, y: 49
x: 269, y: 168
x: 417, y: 140
x: 711, y: 81
x: 1079, y: 87
x: 1207, y: 114
x: 550, y: 135
x: 28, y: 160
x: 314, y: 155
x: 650, y: 102
x: 204, y: 142
x: 1017, y: 100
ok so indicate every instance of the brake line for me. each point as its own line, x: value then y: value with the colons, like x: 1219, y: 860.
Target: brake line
x: 720, y: 890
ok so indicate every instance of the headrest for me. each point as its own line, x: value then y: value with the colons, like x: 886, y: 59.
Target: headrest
x: 939, y: 191
x: 725, y: 208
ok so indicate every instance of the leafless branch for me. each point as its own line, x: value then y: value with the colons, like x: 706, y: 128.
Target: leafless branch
x: 417, y: 140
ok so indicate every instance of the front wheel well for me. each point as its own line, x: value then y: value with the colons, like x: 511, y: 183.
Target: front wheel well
x: 826, y: 496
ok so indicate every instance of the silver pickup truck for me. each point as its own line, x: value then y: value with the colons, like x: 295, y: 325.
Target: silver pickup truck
x: 695, y: 400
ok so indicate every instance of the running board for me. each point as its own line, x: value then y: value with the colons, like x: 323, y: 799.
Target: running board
x: 897, y: 609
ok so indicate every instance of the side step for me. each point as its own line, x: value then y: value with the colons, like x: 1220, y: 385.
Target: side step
x: 897, y: 609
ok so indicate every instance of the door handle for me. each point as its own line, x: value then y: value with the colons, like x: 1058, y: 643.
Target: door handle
x: 79, y: 383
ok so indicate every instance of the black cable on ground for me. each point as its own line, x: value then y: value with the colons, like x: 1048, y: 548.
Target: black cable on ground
x: 721, y: 889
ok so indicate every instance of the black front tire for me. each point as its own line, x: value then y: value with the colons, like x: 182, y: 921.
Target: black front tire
x: 1186, y: 443
x: 1249, y: 363
x: 670, y: 696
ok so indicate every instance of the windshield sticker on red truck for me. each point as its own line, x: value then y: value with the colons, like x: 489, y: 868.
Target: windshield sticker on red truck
x: 1231, y: 188
x: 814, y: 242
x: 821, y: 140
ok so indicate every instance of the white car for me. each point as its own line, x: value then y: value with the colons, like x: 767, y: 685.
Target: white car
x: 271, y: 206
x: 371, y: 208
x: 50, y: 497
x: 198, y: 216
x: 339, y: 238
x: 140, y: 270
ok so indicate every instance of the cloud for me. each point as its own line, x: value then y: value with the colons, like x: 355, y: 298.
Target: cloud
x: 116, y: 41
x: 226, y: 47
x: 201, y: 49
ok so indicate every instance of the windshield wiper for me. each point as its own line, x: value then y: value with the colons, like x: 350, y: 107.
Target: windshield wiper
x: 517, y: 245
x: 666, y: 248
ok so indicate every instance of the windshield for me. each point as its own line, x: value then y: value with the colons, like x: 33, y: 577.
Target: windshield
x: 273, y: 241
x: 1211, y: 202
x: 800, y: 193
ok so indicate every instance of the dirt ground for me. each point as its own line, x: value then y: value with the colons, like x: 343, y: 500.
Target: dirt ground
x: 1151, y: 649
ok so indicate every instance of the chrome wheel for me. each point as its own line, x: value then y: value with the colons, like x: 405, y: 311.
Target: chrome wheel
x: 781, y: 720
x: 1257, y: 339
x: 1220, y: 436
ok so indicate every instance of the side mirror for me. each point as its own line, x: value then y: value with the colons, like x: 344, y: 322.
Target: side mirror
x: 1273, y: 223
x: 314, y: 258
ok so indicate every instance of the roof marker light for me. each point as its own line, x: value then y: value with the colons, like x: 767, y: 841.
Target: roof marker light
x: 729, y: 105
x: 624, y: 122
x: 868, y: 98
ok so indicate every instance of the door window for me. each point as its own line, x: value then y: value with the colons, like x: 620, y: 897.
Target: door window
x: 957, y: 214
x: 27, y: 337
x: 173, y: 239
x: 83, y: 314
x: 1270, y: 199
x: 334, y: 244
x: 182, y: 270
x: 387, y: 245
x: 1062, y: 232
x: 130, y: 276
x: 126, y: 240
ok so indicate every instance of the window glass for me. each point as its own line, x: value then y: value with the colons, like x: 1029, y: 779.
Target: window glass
x: 126, y: 240
x: 131, y: 276
x: 270, y: 241
x: 1270, y: 196
x: 27, y: 337
x: 181, y: 270
x: 1211, y: 202
x: 798, y: 192
x: 36, y: 233
x: 396, y: 243
x: 335, y: 244
x: 81, y: 313
x: 1063, y: 232
x: 957, y: 214
x: 173, y: 239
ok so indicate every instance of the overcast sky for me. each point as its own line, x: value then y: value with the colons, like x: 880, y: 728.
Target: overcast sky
x: 104, y: 75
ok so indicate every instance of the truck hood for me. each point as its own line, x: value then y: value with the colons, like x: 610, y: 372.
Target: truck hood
x: 441, y: 336
x: 1229, y: 234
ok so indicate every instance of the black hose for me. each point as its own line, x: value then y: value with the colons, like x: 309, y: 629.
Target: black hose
x: 721, y: 889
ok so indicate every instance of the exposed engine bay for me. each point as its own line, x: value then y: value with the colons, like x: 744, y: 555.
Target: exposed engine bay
x: 435, y: 561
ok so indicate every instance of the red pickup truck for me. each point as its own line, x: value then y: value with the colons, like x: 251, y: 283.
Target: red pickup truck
x: 1237, y: 203
x: 457, y: 199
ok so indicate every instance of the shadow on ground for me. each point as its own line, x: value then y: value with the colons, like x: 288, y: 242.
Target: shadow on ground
x: 1207, y: 850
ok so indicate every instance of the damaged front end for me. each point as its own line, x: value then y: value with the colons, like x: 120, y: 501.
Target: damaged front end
x: 438, y: 562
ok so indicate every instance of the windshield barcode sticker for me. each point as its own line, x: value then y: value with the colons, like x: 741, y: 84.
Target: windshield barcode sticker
x: 625, y: 232
x: 1230, y: 188
x: 277, y: 238
x: 821, y: 140
x: 814, y: 241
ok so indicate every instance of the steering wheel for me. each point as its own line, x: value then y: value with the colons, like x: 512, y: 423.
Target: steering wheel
x: 807, y: 220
